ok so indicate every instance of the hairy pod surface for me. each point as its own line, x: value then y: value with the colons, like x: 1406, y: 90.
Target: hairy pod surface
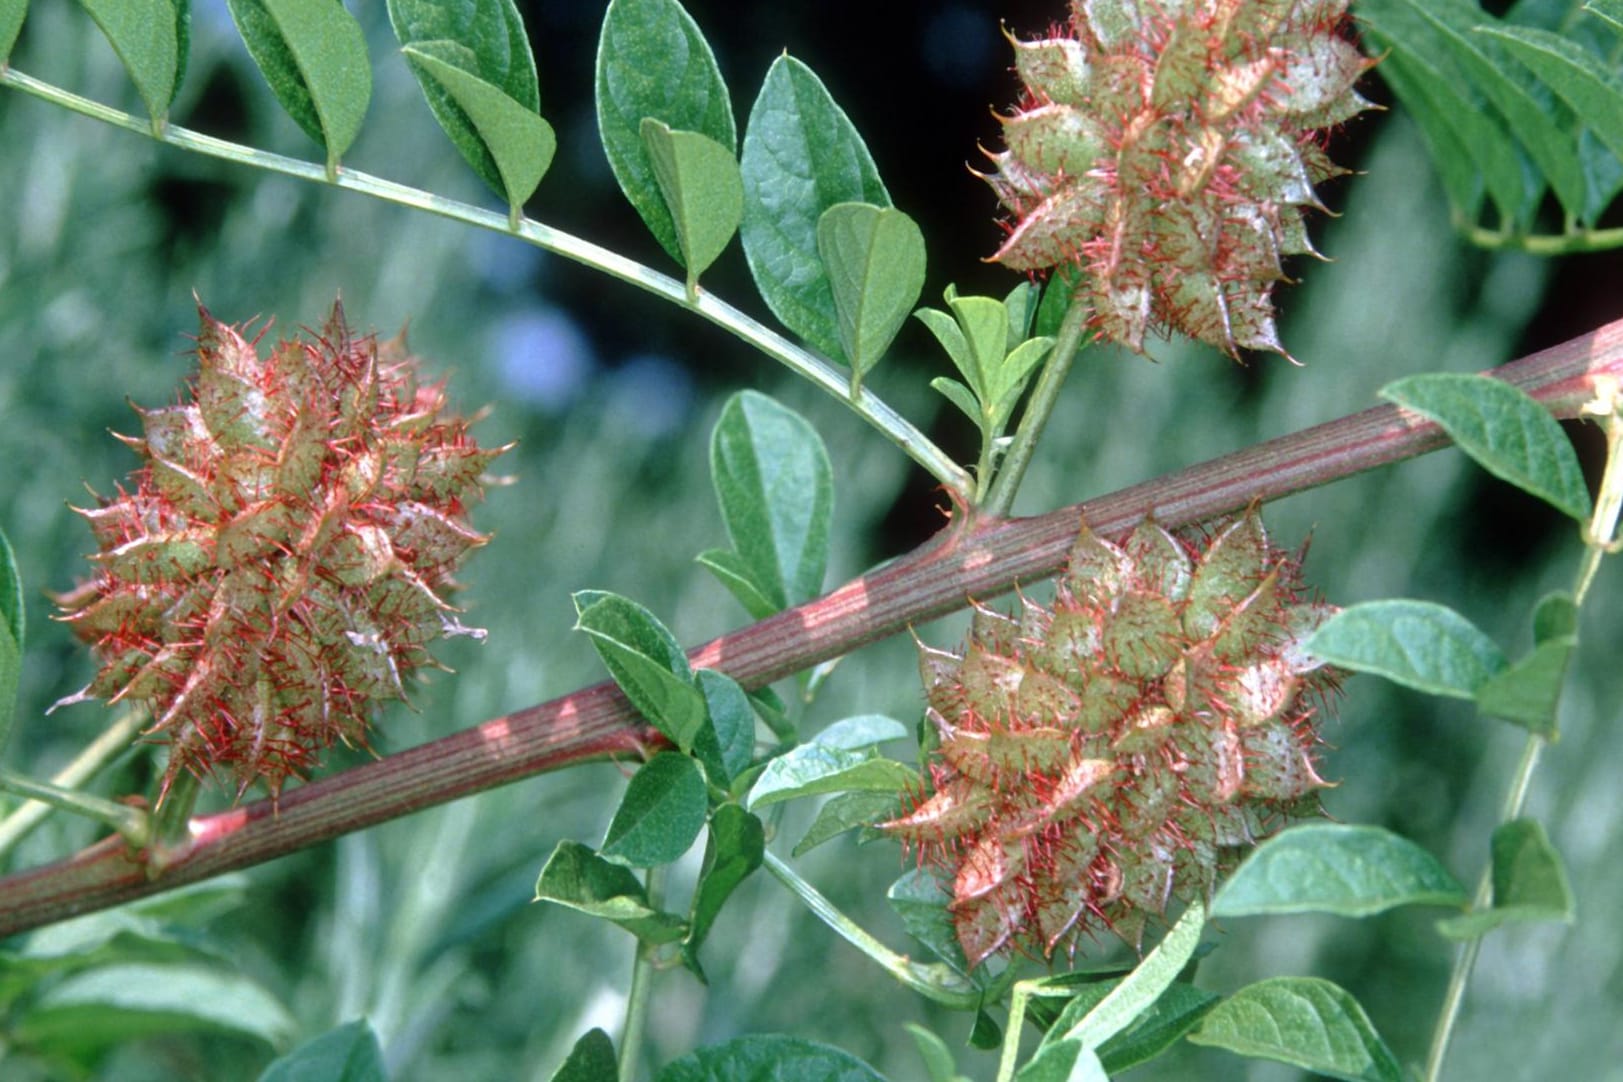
x: 280, y: 562
x: 1098, y: 757
x: 1168, y: 148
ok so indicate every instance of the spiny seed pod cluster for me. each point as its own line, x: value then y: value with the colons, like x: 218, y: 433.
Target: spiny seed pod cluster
x: 280, y: 563
x: 1102, y: 756
x: 1167, y: 147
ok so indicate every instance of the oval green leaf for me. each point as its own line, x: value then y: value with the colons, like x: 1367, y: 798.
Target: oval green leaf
x: 1418, y: 644
x: 1508, y: 434
x: 816, y: 768
x: 653, y: 61
x: 846, y: 811
x: 801, y: 156
x: 776, y: 490
x: 662, y: 812
x: 1139, y: 990
x: 732, y: 572
x: 922, y: 903
x: 148, y: 36
x: 699, y: 180
x: 874, y: 258
x: 112, y: 1004
x: 1529, y: 692
x: 1352, y: 871
x: 646, y: 661
x: 12, y: 13
x: 577, y: 878
x: 485, y: 40
x: 769, y: 1056
x: 11, y: 636
x: 727, y: 744
x: 1580, y: 78
x: 591, y: 1060
x: 349, y: 1053
x: 509, y: 134
x: 1305, y: 1021
x: 313, y: 55
x: 736, y: 847
x: 1529, y: 883
x: 1172, y: 1016
x: 861, y: 731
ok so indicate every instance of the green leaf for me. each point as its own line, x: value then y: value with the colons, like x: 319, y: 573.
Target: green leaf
x: 1547, y: 136
x: 1063, y: 286
x: 939, y: 1065
x: 769, y: 1056
x: 922, y: 904
x: 489, y: 111
x: 1610, y: 10
x: 703, y: 191
x: 776, y: 490
x: 577, y: 878
x: 108, y: 1005
x: 11, y: 637
x: 652, y: 61
x: 816, y: 768
x: 313, y: 55
x: 591, y: 1060
x: 646, y: 661
x: 1063, y: 1061
x: 801, y: 156
x: 1451, y: 98
x: 1138, y: 991
x: 1449, y: 156
x: 1580, y: 78
x: 732, y: 726
x: 962, y: 397
x: 662, y: 812
x: 844, y: 811
x: 874, y: 257
x: 1351, y: 871
x: 1529, y: 883
x: 861, y: 731
x: 1508, y: 434
x: 1173, y: 1015
x: 1529, y: 692
x: 12, y: 611
x: 147, y: 35
x: 349, y: 1053
x: 1555, y: 617
x: 1418, y: 644
x: 732, y: 572
x: 735, y: 849
x: 1305, y: 1021
x: 12, y: 13
x: 489, y: 127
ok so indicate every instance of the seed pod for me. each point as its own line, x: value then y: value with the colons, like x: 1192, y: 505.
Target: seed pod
x: 1122, y: 747
x: 281, y: 560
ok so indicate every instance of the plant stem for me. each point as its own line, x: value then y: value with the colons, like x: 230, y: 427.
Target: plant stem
x: 805, y: 363
x: 133, y: 824
x: 980, y: 560
x: 1038, y: 410
x: 935, y: 982
x: 1602, y: 528
x: 113, y: 741
x: 642, y: 987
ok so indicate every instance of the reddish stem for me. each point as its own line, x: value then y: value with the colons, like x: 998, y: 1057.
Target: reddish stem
x: 972, y: 559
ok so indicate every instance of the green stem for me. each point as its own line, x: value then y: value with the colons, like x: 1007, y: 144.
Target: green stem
x: 112, y: 742
x: 1602, y: 528
x: 1038, y: 410
x: 133, y: 823
x: 642, y: 988
x: 803, y: 362
x: 1571, y: 242
x: 1454, y: 997
x: 935, y: 982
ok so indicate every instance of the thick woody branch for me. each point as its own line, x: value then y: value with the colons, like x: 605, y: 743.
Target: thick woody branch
x: 971, y: 559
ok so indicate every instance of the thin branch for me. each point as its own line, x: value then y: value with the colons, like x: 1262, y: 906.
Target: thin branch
x: 980, y: 560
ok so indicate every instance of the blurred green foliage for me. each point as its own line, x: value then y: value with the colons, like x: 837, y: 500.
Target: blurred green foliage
x: 424, y: 926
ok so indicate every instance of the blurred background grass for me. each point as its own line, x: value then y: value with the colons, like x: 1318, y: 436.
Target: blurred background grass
x: 424, y: 926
